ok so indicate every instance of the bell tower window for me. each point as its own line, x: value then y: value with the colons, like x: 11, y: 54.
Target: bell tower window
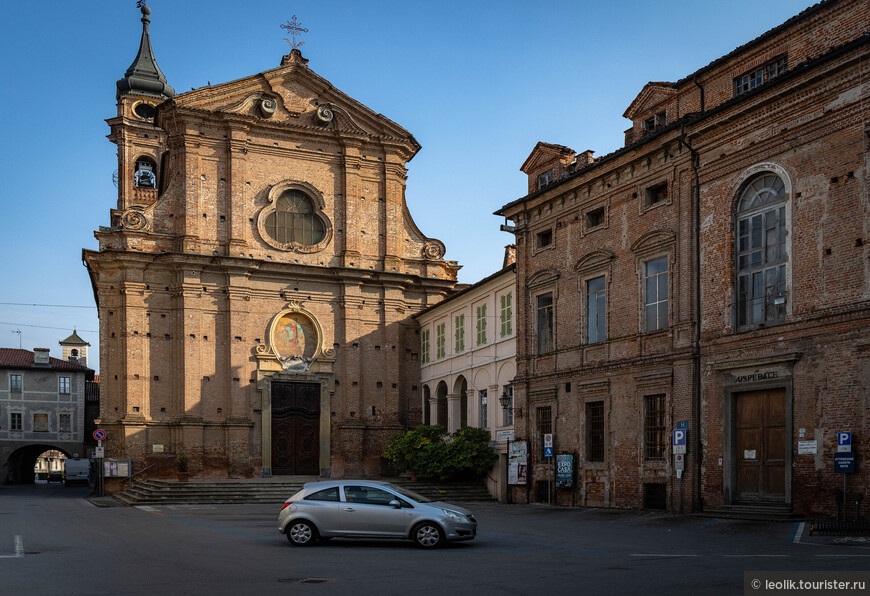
x: 146, y: 173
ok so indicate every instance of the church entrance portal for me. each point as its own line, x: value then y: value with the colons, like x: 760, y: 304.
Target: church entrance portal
x: 295, y: 428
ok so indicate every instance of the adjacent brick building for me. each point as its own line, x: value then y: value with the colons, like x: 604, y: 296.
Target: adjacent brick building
x: 713, y: 275
x: 257, y: 280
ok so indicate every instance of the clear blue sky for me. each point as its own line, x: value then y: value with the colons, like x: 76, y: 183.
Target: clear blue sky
x: 477, y: 83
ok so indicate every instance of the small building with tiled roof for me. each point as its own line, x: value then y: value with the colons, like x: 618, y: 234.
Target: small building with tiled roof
x: 42, y: 408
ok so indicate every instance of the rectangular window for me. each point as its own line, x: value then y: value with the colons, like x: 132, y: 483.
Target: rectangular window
x: 481, y: 324
x: 595, y: 431
x: 596, y: 310
x: 760, y: 75
x: 654, y: 431
x: 656, y: 194
x: 543, y: 179
x: 440, y: 340
x: 595, y: 218
x: 63, y: 385
x: 656, y: 294
x: 544, y: 417
x: 545, y: 323
x: 460, y: 333
x: 484, y: 417
x: 508, y: 413
x: 544, y: 239
x: 64, y: 423
x: 506, y: 314
x: 15, y: 383
x: 15, y: 421
x: 654, y: 123
x: 424, y: 347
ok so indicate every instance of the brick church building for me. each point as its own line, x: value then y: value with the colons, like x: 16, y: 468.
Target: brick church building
x: 257, y: 277
x: 710, y: 276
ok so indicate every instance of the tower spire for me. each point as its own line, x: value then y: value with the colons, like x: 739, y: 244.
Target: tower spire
x: 144, y: 77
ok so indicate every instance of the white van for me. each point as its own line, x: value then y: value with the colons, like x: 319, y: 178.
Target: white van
x: 76, y: 471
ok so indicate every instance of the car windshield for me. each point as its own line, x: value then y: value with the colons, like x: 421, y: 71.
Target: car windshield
x: 410, y: 494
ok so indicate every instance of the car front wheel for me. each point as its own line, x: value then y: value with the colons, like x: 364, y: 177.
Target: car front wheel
x: 428, y: 535
x: 301, y: 533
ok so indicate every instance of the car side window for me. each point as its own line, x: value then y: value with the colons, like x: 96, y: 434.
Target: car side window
x: 368, y: 495
x: 327, y: 494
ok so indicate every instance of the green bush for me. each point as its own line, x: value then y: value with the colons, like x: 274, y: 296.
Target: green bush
x: 432, y: 454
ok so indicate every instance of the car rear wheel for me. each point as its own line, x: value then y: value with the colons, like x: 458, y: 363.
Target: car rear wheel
x: 301, y: 533
x: 428, y: 535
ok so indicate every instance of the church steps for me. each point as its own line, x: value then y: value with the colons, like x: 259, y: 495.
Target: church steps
x: 173, y: 492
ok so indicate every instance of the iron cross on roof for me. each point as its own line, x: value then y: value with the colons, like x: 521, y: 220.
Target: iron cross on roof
x: 294, y: 28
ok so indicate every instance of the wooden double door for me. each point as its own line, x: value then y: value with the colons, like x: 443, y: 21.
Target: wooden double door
x: 295, y: 428
x: 762, y: 446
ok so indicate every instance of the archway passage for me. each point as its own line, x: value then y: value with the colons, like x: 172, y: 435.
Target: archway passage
x: 295, y: 428
x: 19, y: 468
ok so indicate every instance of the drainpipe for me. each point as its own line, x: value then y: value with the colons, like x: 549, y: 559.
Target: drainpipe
x: 696, y: 344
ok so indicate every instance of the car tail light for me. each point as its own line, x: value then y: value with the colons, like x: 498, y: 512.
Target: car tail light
x: 286, y: 505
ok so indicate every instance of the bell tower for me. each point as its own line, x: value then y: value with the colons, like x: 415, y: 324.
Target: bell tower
x: 141, y: 144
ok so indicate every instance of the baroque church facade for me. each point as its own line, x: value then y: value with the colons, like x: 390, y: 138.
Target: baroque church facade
x: 258, y: 277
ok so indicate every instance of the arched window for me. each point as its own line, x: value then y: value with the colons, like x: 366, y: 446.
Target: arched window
x: 761, y: 251
x: 145, y: 175
x: 294, y: 220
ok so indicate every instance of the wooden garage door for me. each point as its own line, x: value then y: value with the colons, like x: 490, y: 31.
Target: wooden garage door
x: 761, y: 446
x: 295, y: 428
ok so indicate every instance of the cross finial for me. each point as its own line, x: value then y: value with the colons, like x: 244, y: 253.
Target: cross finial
x: 294, y: 28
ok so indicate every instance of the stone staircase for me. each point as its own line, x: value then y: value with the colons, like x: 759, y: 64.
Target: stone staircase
x: 272, y: 490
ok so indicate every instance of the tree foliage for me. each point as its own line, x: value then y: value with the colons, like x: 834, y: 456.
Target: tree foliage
x: 433, y: 454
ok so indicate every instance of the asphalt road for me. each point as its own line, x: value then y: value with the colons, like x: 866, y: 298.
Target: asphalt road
x: 54, y: 541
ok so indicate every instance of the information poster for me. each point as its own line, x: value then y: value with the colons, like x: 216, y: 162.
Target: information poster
x: 564, y: 470
x: 518, y: 462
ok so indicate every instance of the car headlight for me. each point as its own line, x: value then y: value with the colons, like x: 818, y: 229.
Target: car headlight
x: 455, y: 515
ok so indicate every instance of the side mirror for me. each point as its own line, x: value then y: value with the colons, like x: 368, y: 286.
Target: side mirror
x: 396, y: 503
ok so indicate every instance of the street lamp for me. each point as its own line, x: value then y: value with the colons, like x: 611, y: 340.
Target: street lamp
x: 507, y: 404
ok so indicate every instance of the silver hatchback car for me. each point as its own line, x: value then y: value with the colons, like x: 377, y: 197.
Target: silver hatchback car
x: 371, y: 509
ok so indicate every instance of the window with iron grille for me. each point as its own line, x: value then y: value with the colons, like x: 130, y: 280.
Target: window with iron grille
x: 760, y: 75
x: 544, y: 417
x: 506, y: 314
x: 424, y: 347
x: 762, y: 252
x: 654, y: 431
x: 596, y: 312
x: 64, y: 423
x: 484, y: 414
x: 481, y: 324
x: 15, y: 421
x: 545, y: 323
x: 15, y: 383
x: 63, y: 385
x: 440, y: 341
x: 595, y: 431
x: 656, y: 294
x: 460, y: 333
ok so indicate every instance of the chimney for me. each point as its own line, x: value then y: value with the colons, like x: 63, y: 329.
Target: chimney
x: 40, y: 356
x: 585, y: 158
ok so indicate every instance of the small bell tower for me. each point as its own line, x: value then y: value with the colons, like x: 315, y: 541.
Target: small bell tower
x: 141, y: 144
x: 74, y: 349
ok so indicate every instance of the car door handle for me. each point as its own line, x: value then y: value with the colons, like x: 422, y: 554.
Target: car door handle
x: 349, y: 509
